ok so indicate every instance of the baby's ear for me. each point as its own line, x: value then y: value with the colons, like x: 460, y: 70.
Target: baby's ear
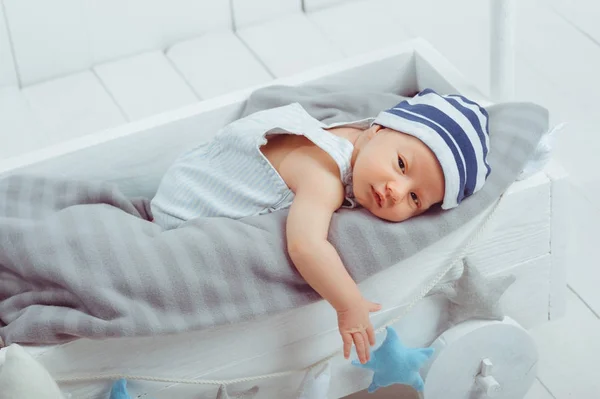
x: 373, y: 130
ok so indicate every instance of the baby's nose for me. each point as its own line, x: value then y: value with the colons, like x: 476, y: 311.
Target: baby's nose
x: 396, y: 190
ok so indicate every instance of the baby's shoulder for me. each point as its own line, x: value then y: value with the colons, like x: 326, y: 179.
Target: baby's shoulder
x: 311, y: 167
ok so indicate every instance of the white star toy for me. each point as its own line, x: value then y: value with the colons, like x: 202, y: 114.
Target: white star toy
x: 474, y: 296
x: 22, y: 376
x: 316, y: 383
x: 249, y: 394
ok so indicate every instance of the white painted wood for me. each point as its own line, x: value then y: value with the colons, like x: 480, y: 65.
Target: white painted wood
x: 525, y: 232
x: 8, y: 73
x: 538, y: 391
x: 211, y: 64
x: 57, y: 38
x: 470, y: 19
x: 144, y: 85
x: 526, y: 300
x: 502, y: 50
x: 583, y: 273
x: 583, y: 14
x: 21, y: 130
x: 569, y: 349
x: 505, y: 343
x: 452, y: 80
x: 314, y: 5
x: 560, y: 236
x: 38, y: 41
x: 246, y: 13
x: 289, y: 44
x: 378, y: 18
x: 551, y: 45
x: 72, y: 106
x: 486, y: 367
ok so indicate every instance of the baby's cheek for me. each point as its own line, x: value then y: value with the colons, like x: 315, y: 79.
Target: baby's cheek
x: 398, y: 214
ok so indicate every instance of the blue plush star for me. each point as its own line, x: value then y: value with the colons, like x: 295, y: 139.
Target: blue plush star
x: 394, y: 363
x: 119, y: 390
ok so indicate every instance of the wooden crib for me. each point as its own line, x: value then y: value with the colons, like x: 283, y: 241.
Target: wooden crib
x: 527, y: 241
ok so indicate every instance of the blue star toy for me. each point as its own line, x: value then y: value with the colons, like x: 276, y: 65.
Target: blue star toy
x: 394, y: 363
x: 119, y: 390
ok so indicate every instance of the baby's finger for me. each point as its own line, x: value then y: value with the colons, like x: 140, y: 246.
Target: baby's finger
x: 347, y: 338
x: 359, y: 343
x: 374, y: 307
x: 367, y: 349
x: 371, y: 334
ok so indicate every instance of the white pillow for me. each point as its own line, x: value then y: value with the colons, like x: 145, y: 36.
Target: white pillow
x: 23, y: 377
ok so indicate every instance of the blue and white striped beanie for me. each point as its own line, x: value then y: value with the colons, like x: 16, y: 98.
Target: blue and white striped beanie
x: 455, y: 129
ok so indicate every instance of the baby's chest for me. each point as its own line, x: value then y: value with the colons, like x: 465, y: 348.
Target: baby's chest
x: 279, y: 147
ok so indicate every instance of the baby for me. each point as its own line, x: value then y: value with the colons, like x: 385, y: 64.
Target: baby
x: 426, y: 150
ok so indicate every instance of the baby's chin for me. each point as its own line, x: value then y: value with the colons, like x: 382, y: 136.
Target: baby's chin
x: 376, y: 211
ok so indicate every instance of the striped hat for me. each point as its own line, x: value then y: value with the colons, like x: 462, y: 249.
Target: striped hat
x: 455, y: 129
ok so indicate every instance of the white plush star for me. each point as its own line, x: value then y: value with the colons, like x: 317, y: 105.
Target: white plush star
x: 23, y: 376
x: 249, y: 394
x: 316, y: 383
x: 474, y: 296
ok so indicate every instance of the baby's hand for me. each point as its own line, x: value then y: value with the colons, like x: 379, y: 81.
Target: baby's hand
x: 355, y: 327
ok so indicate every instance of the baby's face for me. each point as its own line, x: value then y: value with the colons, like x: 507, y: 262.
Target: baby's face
x: 395, y: 175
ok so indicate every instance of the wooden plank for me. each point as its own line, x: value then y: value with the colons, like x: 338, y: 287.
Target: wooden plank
x: 582, y: 14
x: 430, y: 62
x: 523, y: 231
x: 561, y: 205
x: 470, y: 19
x: 569, y: 349
x: 583, y: 273
x: 538, y: 391
x: 526, y: 300
x: 550, y: 44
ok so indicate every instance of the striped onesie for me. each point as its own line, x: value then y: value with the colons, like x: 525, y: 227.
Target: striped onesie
x: 230, y: 177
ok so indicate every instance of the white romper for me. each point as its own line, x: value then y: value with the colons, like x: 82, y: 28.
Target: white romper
x: 230, y: 177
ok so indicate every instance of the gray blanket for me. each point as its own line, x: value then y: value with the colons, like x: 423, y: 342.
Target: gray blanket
x: 80, y: 259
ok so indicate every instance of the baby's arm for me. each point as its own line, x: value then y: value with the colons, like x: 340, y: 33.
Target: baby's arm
x: 314, y: 256
x: 318, y: 194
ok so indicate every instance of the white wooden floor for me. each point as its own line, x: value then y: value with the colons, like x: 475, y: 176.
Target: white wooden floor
x: 558, y: 66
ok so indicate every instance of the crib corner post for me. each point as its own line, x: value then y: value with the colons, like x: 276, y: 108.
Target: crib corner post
x: 502, y: 50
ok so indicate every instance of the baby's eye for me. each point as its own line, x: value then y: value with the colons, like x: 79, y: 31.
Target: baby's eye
x: 415, y: 198
x: 401, y: 165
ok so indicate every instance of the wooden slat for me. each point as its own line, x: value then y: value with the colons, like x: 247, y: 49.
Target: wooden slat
x: 560, y: 235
